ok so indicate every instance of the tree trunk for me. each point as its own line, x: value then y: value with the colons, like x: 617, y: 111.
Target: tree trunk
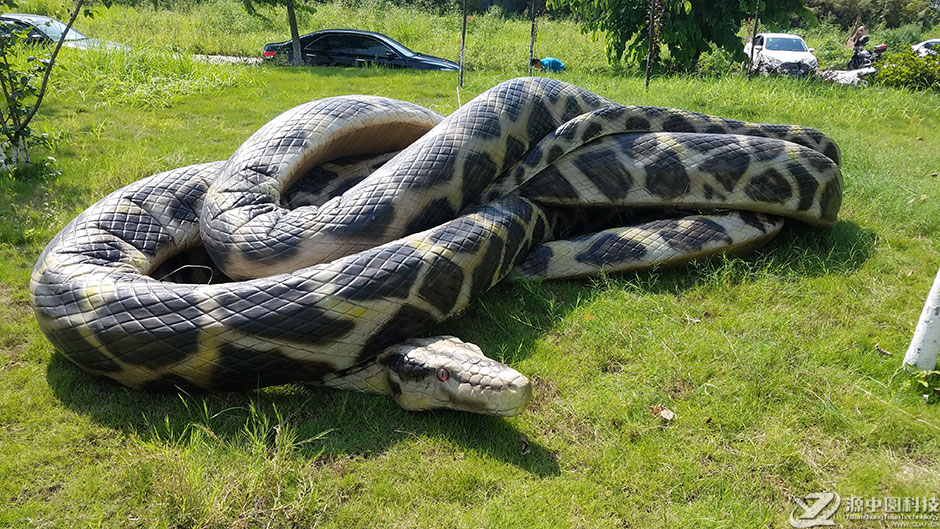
x: 925, y: 346
x: 297, y: 59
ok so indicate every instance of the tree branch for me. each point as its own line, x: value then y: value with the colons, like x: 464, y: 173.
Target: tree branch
x: 45, y: 77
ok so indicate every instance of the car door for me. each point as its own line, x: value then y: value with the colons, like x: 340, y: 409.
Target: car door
x: 370, y: 50
x: 328, y: 50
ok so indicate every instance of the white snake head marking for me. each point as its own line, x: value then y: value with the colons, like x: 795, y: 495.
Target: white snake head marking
x: 444, y: 372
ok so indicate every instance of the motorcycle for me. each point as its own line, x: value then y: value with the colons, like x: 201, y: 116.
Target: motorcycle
x: 862, y: 58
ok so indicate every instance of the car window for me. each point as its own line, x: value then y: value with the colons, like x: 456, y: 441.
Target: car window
x: 53, y: 29
x: 758, y: 41
x: 370, y: 47
x: 785, y: 44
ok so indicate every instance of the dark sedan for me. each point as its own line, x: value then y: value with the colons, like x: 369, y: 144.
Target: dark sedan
x: 349, y: 47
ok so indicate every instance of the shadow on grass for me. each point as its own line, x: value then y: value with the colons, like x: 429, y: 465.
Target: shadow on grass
x: 340, y: 423
x: 506, y: 322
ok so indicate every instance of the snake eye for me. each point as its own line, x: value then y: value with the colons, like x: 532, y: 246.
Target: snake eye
x: 443, y: 374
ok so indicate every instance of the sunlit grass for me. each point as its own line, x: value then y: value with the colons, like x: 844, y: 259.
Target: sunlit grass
x: 768, y: 359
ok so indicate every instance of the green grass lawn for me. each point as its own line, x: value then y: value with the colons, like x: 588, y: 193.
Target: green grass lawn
x: 768, y: 359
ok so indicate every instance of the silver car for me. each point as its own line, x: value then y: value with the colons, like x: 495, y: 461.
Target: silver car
x: 781, y: 53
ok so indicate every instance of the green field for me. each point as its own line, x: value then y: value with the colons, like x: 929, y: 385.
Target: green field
x: 768, y: 360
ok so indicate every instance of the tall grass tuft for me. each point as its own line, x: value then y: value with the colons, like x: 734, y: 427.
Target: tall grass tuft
x: 142, y: 77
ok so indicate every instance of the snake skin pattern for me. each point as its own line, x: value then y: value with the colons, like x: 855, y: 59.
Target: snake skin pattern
x: 349, y: 225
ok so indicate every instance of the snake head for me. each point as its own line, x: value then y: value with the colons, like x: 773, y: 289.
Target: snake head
x: 445, y: 372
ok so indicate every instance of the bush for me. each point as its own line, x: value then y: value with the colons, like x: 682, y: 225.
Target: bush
x: 904, y: 69
x: 900, y: 39
x: 717, y: 62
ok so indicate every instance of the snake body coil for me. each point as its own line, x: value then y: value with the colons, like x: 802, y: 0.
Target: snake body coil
x: 319, y: 266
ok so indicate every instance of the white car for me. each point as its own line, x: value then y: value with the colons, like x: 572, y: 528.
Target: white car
x: 781, y: 53
x: 928, y: 47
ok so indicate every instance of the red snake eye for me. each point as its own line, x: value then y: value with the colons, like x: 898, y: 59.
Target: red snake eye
x: 443, y: 374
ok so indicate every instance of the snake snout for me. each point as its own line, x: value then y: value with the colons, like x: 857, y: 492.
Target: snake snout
x: 444, y: 372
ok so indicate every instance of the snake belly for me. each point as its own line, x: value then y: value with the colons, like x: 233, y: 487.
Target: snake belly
x: 378, y: 256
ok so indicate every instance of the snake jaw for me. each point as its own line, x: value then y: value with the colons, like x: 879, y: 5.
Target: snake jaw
x: 444, y: 372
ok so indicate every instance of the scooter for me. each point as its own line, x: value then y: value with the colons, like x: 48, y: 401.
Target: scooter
x: 862, y: 58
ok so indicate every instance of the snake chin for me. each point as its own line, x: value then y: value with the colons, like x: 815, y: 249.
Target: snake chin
x: 444, y: 372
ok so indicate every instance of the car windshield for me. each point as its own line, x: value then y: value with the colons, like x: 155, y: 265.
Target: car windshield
x: 399, y: 47
x: 54, y: 29
x: 785, y: 44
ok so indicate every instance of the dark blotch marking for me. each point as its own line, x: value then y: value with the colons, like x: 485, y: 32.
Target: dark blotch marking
x: 240, y: 369
x: 604, y: 171
x: 831, y: 201
x: 832, y: 152
x: 805, y: 183
x: 408, y: 322
x: 442, y: 284
x: 515, y: 150
x: 483, y: 273
x: 609, y: 249
x: 536, y: 262
x: 479, y: 171
x: 591, y: 131
x: 362, y: 217
x: 551, y: 184
x: 461, y: 235
x: 636, y: 124
x: 540, y: 121
x: 727, y: 168
x: 677, y: 123
x: 691, y: 235
x: 516, y: 245
x: 384, y: 272
x: 752, y: 219
x: 554, y: 153
x: 764, y: 150
x: 435, y: 213
x: 285, y: 310
x: 770, y: 186
x: 666, y: 176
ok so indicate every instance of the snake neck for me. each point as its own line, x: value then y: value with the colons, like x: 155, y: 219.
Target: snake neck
x: 371, y: 377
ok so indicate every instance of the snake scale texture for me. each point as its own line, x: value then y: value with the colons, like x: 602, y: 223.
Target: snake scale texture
x: 346, y: 227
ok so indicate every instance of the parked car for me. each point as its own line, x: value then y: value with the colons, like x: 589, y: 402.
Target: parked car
x: 781, y: 53
x: 350, y: 47
x: 928, y: 47
x: 45, y: 31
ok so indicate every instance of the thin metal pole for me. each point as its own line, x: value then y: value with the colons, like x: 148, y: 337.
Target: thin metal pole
x: 750, y: 64
x: 532, y: 38
x: 463, y: 43
x: 649, y: 50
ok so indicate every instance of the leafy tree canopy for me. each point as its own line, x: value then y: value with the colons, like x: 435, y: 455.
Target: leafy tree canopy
x: 686, y: 28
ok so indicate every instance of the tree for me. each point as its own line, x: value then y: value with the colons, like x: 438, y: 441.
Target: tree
x: 296, y: 56
x: 23, y: 92
x: 891, y: 13
x: 687, y: 29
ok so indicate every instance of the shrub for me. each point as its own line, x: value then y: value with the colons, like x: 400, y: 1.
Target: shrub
x: 717, y: 62
x: 904, y: 69
x: 901, y: 38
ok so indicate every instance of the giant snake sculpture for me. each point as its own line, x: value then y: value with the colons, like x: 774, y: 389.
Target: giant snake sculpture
x: 346, y: 227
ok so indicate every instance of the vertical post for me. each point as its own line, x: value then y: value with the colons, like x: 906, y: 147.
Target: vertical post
x: 925, y: 346
x: 532, y: 37
x: 463, y: 43
x: 649, y: 48
x: 750, y: 63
